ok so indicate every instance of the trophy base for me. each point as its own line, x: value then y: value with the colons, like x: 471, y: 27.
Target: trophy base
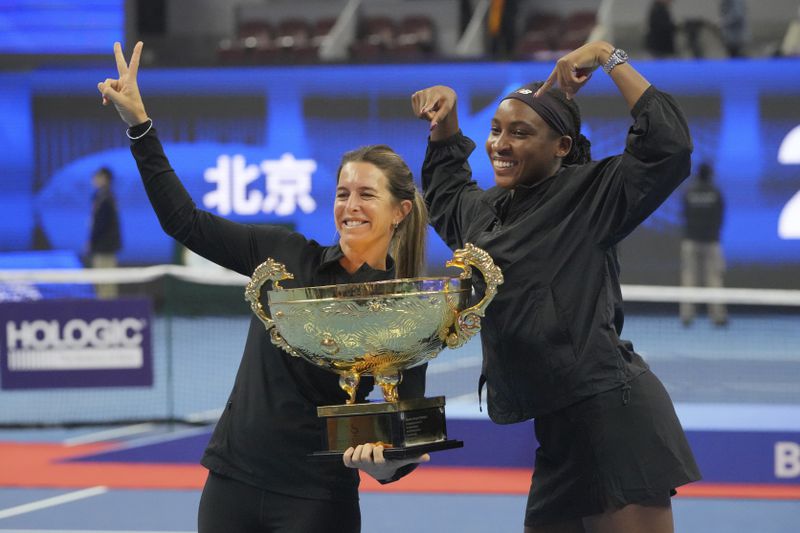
x: 397, y: 453
x: 406, y: 428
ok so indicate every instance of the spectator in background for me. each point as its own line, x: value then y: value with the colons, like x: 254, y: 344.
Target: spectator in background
x: 464, y: 15
x: 733, y: 26
x: 104, y: 235
x: 693, y: 29
x: 502, y: 28
x: 701, y: 253
x: 660, y: 38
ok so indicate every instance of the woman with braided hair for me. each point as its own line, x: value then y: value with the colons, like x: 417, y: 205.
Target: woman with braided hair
x: 611, y: 449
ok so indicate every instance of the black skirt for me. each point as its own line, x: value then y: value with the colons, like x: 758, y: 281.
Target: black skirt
x: 615, y: 448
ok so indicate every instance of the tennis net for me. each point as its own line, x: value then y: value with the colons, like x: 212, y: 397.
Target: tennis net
x: 198, y: 321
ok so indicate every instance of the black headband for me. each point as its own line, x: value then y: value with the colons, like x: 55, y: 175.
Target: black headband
x: 552, y: 111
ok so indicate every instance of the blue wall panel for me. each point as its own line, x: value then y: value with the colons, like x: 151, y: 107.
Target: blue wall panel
x: 739, y: 118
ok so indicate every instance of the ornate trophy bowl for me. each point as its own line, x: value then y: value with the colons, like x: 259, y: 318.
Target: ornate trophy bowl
x: 378, y: 329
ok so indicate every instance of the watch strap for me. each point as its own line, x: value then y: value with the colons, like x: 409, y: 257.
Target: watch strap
x: 618, y: 56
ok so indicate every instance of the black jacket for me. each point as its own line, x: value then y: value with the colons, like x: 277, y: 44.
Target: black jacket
x: 104, y: 236
x: 703, y: 209
x: 551, y: 335
x: 270, y: 422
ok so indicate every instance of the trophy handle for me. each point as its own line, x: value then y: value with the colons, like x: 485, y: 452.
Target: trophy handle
x: 269, y: 270
x: 468, y: 321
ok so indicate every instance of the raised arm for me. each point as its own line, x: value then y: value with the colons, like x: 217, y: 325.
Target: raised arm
x: 239, y: 247
x: 658, y: 148
x: 450, y: 193
x: 437, y: 104
x: 573, y: 70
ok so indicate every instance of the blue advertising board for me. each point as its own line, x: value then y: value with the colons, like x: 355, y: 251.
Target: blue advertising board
x: 755, y: 458
x: 262, y: 145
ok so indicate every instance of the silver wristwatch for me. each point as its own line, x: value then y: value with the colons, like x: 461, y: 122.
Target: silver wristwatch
x: 617, y: 57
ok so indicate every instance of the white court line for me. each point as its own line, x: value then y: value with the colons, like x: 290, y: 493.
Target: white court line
x: 210, y: 416
x: 109, y: 434
x: 157, y: 439
x: 52, y: 502
x: 465, y: 407
x: 455, y: 364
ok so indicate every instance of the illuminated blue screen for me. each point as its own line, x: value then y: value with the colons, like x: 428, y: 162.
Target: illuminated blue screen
x: 60, y: 27
x: 262, y: 145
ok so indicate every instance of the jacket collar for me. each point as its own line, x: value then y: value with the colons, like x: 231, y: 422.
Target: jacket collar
x: 500, y: 200
x: 332, y: 254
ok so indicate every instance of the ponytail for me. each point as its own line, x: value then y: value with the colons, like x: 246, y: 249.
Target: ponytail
x: 408, y: 245
x: 580, y: 153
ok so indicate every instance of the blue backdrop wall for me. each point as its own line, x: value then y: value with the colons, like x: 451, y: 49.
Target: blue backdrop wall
x: 262, y: 145
x: 53, y: 27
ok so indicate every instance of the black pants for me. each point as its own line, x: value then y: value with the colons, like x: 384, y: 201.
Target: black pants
x: 229, y: 506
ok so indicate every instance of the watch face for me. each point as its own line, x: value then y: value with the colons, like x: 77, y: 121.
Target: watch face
x: 618, y: 56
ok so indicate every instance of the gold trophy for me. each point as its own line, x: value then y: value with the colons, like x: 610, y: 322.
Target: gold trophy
x: 377, y: 329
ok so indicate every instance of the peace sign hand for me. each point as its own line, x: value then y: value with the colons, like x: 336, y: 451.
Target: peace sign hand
x: 124, y: 91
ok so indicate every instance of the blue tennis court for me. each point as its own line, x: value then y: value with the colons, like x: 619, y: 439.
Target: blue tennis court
x: 735, y: 392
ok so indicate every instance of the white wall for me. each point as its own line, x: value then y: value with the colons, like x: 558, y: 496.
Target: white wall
x: 767, y: 19
x: 204, y: 17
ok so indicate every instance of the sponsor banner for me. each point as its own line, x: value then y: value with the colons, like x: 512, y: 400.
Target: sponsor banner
x: 736, y: 457
x: 757, y: 457
x: 76, y: 343
x: 747, y: 456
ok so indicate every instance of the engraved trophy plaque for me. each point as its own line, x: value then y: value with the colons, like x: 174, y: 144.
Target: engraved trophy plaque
x: 377, y: 329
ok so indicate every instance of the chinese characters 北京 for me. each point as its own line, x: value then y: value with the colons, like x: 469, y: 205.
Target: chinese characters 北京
x: 287, y: 186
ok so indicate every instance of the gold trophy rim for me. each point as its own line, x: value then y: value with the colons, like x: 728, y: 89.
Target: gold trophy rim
x: 384, y: 288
